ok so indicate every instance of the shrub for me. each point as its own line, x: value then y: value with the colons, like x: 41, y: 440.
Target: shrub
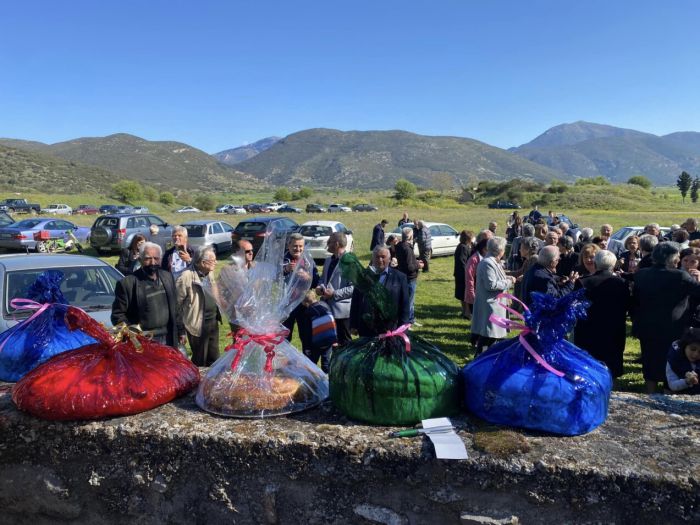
x: 305, y: 192
x: 404, y: 189
x: 167, y: 198
x: 593, y: 181
x: 127, y: 190
x: 282, y: 194
x: 204, y: 202
x: 640, y: 180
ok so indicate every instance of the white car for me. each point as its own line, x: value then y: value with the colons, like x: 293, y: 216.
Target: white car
x: 444, y: 237
x: 624, y: 232
x: 188, y: 209
x: 236, y: 210
x: 274, y: 206
x: 316, y: 235
x: 58, y: 209
x: 337, y: 208
x: 209, y: 233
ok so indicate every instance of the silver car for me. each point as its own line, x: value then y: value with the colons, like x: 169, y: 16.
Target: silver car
x: 209, y: 233
x: 87, y: 282
x: 115, y: 231
x: 20, y: 235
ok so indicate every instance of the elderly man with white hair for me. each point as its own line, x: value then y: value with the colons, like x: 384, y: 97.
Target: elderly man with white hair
x: 491, y: 280
x: 613, y: 245
x: 148, y: 298
x: 603, y: 332
x: 542, y: 277
x: 179, y: 257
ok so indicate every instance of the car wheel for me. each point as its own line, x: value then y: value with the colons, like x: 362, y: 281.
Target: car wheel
x: 41, y: 247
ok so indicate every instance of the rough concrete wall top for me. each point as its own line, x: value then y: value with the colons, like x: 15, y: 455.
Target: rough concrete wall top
x: 177, y: 464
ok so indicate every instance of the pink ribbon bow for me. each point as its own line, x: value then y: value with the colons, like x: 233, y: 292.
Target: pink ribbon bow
x: 27, y: 304
x: 267, y: 341
x: 399, y: 332
x: 514, y: 325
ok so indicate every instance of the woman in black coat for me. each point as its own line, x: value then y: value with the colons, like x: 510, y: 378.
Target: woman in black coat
x: 129, y: 257
x: 462, y: 253
x: 602, y: 334
x: 661, y: 309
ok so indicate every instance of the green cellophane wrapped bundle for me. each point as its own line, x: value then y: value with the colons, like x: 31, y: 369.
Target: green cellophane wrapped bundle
x: 396, y: 378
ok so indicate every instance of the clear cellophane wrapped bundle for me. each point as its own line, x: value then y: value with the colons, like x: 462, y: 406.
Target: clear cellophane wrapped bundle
x: 261, y: 374
x: 539, y: 380
x: 44, y: 333
x: 122, y: 373
x: 397, y: 378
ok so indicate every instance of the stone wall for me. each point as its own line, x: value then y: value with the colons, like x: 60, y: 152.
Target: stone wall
x: 177, y: 464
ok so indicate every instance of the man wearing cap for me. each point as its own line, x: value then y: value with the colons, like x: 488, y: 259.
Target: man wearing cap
x: 378, y: 235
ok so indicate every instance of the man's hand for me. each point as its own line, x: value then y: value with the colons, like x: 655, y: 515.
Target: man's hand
x: 184, y: 256
x: 183, y: 339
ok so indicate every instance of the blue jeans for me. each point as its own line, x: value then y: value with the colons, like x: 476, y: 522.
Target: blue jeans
x: 411, y: 296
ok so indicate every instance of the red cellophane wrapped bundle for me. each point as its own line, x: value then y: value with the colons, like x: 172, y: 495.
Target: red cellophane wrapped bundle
x: 123, y: 373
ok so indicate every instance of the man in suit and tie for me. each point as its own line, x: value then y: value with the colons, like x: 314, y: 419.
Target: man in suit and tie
x: 395, y: 283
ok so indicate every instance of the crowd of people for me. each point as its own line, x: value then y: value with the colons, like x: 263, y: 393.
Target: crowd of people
x: 651, y: 278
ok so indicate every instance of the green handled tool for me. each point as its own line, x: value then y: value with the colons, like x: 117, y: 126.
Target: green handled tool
x: 413, y: 432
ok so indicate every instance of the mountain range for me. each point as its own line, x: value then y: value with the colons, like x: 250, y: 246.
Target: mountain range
x: 162, y: 164
x: 327, y: 158
x: 584, y: 149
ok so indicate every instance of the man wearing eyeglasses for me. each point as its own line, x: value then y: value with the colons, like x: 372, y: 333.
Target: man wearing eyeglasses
x: 147, y: 298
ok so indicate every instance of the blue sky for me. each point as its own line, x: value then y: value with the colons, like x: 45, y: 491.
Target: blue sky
x: 216, y: 75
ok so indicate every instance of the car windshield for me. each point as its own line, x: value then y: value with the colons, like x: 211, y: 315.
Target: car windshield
x: 251, y: 227
x: 621, y: 234
x: 5, y: 219
x: 196, y: 230
x: 315, y: 231
x: 88, y: 287
x: 28, y: 223
x: 108, y: 222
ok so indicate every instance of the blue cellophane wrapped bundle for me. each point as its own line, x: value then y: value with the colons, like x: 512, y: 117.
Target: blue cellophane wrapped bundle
x: 43, y: 334
x: 261, y: 374
x: 539, y: 380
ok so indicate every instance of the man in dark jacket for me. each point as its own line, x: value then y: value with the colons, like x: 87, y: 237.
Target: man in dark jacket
x: 661, y: 299
x: 542, y: 277
x: 409, y: 266
x: 424, y: 241
x: 395, y: 283
x: 148, y: 298
x: 378, y: 235
x: 603, y: 332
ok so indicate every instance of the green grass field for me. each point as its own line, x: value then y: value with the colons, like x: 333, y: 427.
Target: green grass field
x: 436, y: 307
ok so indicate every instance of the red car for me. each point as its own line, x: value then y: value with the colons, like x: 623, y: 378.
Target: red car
x: 86, y: 209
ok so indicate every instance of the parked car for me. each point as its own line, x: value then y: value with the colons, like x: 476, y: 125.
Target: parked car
x: 86, y: 209
x: 108, y: 208
x: 274, y: 206
x: 222, y: 208
x: 364, y: 207
x: 315, y: 208
x: 57, y: 209
x: 444, y: 237
x: 316, y: 235
x: 124, y: 208
x: 87, y: 283
x: 257, y: 208
x: 188, y: 209
x: 19, y: 206
x: 254, y: 229
x: 209, y: 233
x: 20, y: 235
x: 338, y: 208
x: 289, y: 209
x: 624, y: 232
x: 236, y: 210
x: 114, y: 231
x: 139, y: 209
x: 504, y: 204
